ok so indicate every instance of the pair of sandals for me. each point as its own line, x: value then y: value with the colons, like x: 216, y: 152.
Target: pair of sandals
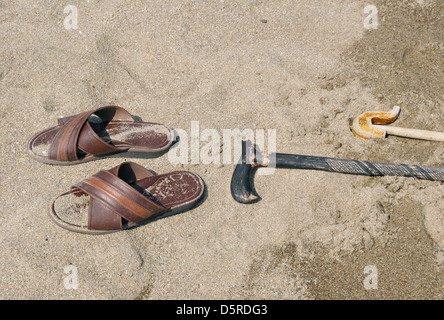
x: 124, y: 196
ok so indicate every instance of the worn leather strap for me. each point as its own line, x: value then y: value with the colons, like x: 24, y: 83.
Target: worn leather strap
x: 112, y: 198
x: 76, y: 133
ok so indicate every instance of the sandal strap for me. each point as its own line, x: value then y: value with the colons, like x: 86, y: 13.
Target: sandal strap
x: 76, y: 133
x: 112, y: 198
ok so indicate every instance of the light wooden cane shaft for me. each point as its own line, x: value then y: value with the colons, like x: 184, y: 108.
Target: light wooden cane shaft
x: 412, y: 133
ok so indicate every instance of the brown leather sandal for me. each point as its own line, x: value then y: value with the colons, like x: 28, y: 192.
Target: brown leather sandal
x: 123, y: 197
x: 96, y: 134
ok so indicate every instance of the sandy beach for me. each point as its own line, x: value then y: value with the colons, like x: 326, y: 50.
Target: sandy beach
x: 305, y: 69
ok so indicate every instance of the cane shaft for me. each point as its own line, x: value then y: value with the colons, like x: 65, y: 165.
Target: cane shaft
x: 355, y: 167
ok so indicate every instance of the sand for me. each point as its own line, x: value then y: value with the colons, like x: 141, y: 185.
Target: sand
x: 304, y: 68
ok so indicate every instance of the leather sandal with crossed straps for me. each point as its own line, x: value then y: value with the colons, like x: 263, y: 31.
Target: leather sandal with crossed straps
x: 124, y: 197
x: 96, y: 134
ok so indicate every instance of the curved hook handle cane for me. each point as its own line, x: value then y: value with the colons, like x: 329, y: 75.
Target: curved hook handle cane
x: 242, y: 184
x: 241, y: 188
